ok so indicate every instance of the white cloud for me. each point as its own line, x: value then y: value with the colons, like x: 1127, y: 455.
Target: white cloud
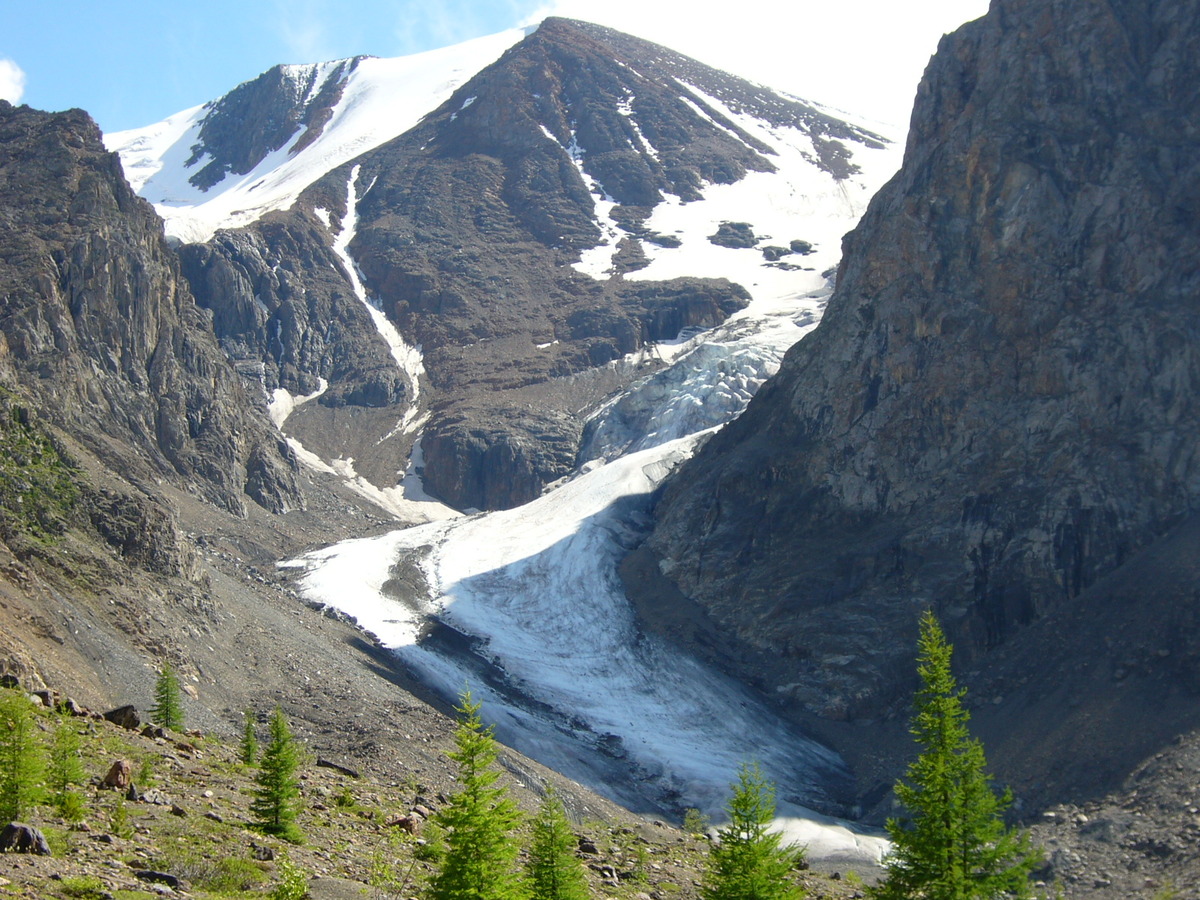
x: 865, y: 56
x: 12, y: 81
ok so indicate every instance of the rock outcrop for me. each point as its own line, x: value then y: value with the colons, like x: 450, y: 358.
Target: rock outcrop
x: 99, y: 326
x: 263, y: 115
x: 999, y: 406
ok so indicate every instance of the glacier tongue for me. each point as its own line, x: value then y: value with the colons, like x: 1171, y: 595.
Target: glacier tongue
x: 527, y: 607
x: 555, y: 650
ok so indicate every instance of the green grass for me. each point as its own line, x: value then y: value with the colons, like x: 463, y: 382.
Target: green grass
x: 84, y: 887
x: 39, y: 486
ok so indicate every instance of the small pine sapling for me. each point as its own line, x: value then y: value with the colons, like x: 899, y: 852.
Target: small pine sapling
x: 168, y: 700
x: 480, y: 820
x: 553, y: 871
x: 749, y: 860
x: 953, y: 841
x: 276, y: 799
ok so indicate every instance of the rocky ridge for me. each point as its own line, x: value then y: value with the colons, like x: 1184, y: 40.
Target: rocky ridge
x: 102, y: 330
x: 996, y: 410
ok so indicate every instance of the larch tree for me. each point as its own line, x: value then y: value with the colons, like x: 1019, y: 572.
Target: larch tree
x: 953, y: 843
x: 22, y: 756
x: 66, y: 769
x: 276, y: 800
x: 749, y: 860
x: 553, y: 871
x: 168, y: 700
x: 248, y: 749
x: 480, y: 858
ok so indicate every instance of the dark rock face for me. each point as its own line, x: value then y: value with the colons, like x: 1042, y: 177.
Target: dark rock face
x: 261, y: 116
x: 100, y: 327
x: 1000, y: 404
x: 280, y: 301
x: 503, y: 465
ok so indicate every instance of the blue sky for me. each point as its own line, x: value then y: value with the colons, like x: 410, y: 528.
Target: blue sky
x: 134, y: 62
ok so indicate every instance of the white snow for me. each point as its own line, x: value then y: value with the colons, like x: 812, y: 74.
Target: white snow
x: 712, y: 377
x: 597, y: 261
x: 799, y: 201
x: 283, y: 403
x: 407, y: 501
x: 382, y: 98
x: 407, y: 357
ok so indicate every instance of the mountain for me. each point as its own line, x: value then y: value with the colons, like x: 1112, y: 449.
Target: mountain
x: 407, y: 296
x: 529, y: 242
x: 537, y: 274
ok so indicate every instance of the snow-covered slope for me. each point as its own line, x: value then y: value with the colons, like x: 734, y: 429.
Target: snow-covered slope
x: 381, y: 99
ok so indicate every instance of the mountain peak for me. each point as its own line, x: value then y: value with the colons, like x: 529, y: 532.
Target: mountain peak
x: 263, y: 115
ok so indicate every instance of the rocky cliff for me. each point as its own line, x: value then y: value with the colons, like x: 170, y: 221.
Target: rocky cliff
x: 466, y: 230
x: 999, y: 407
x: 101, y: 332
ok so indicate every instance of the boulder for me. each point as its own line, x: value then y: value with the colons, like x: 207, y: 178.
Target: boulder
x: 410, y: 823
x: 172, y: 881
x: 125, y: 716
x: 735, y: 235
x: 20, y: 838
x: 119, y: 777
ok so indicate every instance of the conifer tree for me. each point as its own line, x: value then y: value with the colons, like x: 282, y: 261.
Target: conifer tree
x: 22, y: 757
x: 750, y: 862
x: 276, y: 799
x: 168, y: 700
x: 554, y: 872
x: 953, y: 844
x: 66, y: 769
x: 480, y: 860
x: 248, y: 751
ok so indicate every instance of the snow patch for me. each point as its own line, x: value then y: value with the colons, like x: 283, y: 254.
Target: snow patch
x: 407, y: 357
x: 283, y: 403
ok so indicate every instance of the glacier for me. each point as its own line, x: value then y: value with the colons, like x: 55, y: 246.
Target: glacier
x: 526, y: 607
